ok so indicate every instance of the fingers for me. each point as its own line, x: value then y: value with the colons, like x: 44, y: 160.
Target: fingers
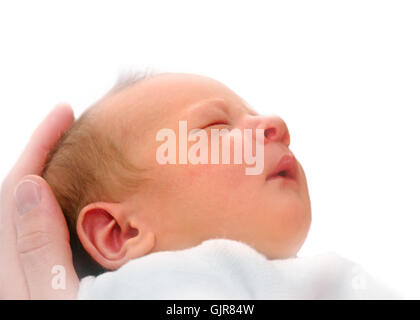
x: 42, y: 141
x: 43, y: 242
x: 12, y: 282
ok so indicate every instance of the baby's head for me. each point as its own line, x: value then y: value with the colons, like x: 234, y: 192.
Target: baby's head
x: 121, y: 203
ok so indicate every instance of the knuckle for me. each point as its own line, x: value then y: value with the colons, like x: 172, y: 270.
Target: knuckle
x: 33, y: 241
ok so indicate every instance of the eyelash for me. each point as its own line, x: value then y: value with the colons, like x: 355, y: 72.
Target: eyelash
x: 216, y: 123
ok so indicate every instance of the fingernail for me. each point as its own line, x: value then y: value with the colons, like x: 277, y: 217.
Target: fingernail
x: 27, y: 196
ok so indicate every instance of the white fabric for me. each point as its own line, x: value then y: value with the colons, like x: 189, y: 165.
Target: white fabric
x: 226, y: 269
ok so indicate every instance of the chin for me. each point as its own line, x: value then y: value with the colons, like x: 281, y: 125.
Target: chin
x: 281, y: 250
x: 286, y: 232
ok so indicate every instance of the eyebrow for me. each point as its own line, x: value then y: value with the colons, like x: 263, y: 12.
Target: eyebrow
x: 206, y: 104
x: 219, y: 103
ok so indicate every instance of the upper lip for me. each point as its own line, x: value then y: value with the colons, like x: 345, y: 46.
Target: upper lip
x: 287, y: 167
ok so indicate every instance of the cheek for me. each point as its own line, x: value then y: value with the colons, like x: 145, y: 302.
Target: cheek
x: 214, y: 187
x: 208, y: 185
x: 225, y: 176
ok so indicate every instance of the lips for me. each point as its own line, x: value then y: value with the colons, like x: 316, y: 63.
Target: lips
x: 286, y: 168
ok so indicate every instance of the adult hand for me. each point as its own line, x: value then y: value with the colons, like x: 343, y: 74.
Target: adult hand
x: 34, y: 238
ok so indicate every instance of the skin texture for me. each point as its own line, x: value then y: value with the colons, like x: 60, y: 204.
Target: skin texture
x: 179, y: 206
x: 31, y: 244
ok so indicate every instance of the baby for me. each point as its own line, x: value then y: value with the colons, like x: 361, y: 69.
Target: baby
x: 123, y: 205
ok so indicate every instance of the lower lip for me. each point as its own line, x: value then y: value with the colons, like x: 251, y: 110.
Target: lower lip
x: 283, y: 180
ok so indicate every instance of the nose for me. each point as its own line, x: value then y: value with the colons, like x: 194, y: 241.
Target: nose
x: 275, y: 129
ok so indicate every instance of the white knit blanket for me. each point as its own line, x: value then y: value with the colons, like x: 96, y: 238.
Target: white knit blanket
x: 226, y: 269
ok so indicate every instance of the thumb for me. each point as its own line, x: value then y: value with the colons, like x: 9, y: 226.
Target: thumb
x: 43, y: 241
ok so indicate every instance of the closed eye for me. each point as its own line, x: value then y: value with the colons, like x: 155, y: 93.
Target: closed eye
x: 216, y: 123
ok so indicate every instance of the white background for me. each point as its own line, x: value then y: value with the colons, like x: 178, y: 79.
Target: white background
x: 344, y: 75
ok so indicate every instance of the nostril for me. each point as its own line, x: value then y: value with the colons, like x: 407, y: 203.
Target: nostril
x: 268, y: 133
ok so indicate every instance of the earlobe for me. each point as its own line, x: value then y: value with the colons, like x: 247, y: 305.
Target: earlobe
x: 109, y: 237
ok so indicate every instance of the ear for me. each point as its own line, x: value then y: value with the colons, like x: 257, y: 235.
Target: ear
x: 109, y: 235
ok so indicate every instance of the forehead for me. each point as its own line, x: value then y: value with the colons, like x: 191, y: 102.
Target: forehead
x: 166, y: 97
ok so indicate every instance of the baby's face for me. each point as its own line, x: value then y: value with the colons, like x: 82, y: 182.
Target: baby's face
x: 185, y: 204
